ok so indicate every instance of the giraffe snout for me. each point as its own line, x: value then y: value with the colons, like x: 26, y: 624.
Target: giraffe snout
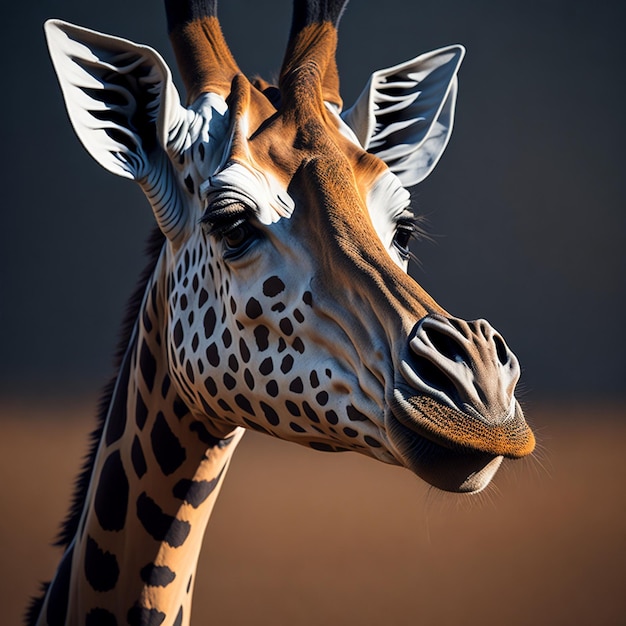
x: 466, y: 365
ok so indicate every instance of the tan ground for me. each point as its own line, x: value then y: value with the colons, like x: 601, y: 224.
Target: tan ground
x: 303, y: 537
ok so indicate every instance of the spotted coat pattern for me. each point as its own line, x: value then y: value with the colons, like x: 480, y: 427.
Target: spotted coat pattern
x: 276, y: 297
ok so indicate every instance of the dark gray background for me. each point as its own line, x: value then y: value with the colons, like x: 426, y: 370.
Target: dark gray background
x: 527, y: 207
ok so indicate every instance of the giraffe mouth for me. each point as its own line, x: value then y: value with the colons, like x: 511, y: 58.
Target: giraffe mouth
x: 453, y: 412
x: 439, y: 460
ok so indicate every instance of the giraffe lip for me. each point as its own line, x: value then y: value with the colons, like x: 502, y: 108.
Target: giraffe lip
x: 443, y: 464
x: 464, y: 431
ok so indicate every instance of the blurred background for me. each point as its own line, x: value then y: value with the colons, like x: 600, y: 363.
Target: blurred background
x: 527, y: 212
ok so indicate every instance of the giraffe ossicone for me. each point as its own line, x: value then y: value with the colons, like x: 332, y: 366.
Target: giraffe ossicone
x: 276, y: 296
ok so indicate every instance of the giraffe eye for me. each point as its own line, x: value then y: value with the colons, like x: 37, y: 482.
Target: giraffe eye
x: 404, y: 233
x: 237, y: 235
x: 229, y: 222
x: 238, y: 238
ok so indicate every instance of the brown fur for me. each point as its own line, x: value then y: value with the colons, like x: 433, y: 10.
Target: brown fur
x: 204, y: 59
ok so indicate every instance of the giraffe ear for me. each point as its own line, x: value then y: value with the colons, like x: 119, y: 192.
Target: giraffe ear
x: 405, y: 113
x: 119, y: 96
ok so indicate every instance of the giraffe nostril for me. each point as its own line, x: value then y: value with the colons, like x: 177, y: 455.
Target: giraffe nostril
x: 465, y: 364
x: 501, y: 350
x: 432, y: 376
x: 447, y: 346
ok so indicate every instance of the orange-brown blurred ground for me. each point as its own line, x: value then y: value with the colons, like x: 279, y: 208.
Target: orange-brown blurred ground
x: 302, y: 537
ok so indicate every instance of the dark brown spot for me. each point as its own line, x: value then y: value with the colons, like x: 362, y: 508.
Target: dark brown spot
x: 286, y: 326
x: 286, y: 364
x: 229, y: 382
x: 157, y: 575
x: 212, y: 355
x: 370, y: 441
x: 167, y: 449
x: 211, y: 387
x: 248, y: 378
x: 310, y: 413
x: 354, y: 415
x: 253, y: 308
x: 101, y: 568
x: 137, y: 457
x: 244, y: 404
x: 314, y: 380
x: 331, y: 417
x: 296, y: 385
x: 243, y: 350
x: 322, y: 398
x: 293, y: 408
x: 261, y: 335
x: 267, y: 366
x: 160, y: 525
x: 178, y: 334
x: 111, y: 499
x: 270, y: 414
x: 273, y: 286
x: 209, y: 322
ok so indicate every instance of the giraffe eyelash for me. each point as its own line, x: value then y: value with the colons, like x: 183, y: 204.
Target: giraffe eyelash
x: 224, y: 216
x: 409, y: 227
x: 408, y: 221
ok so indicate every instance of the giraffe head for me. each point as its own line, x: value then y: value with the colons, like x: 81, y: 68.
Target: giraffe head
x: 285, y: 303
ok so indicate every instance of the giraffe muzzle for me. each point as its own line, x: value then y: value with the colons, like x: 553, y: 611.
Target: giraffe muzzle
x: 454, y: 416
x: 465, y: 365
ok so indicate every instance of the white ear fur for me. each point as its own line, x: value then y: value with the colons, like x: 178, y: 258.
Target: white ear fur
x: 405, y: 113
x: 119, y: 95
x: 126, y: 111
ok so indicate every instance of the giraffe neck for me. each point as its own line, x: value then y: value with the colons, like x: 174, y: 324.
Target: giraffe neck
x: 155, y: 478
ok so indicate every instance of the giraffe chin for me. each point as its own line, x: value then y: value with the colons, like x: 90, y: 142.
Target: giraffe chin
x: 444, y: 465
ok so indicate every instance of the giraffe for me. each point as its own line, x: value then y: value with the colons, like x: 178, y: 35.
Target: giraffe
x: 276, y: 296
